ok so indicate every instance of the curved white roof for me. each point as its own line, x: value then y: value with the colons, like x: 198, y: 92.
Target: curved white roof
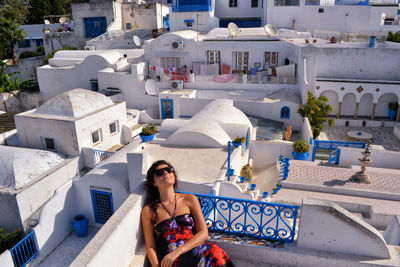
x: 285, y: 95
x: 19, y: 166
x: 75, y: 103
x: 222, y: 111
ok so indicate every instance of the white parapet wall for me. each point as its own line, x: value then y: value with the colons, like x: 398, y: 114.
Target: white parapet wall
x: 328, y: 227
x: 265, y: 153
x: 380, y: 159
x: 306, y: 132
x: 392, y: 233
x: 118, y: 240
x: 6, y: 259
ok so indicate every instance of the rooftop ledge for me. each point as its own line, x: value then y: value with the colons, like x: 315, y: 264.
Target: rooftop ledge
x: 322, y: 79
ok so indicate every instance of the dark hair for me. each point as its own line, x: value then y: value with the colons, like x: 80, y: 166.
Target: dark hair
x: 153, y: 195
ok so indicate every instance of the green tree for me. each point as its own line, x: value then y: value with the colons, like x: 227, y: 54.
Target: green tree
x: 316, y: 110
x: 37, y: 10
x: 393, y: 37
x: 14, y: 9
x: 10, y: 34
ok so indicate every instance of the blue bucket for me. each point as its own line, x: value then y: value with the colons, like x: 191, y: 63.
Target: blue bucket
x: 147, y: 138
x: 80, y: 224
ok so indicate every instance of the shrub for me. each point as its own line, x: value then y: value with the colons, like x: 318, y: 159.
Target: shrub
x: 149, y: 129
x: 27, y: 54
x: 40, y: 50
x: 239, y: 139
x: 316, y: 110
x: 393, y: 105
x: 301, y: 146
x: 51, y: 55
x: 8, y: 240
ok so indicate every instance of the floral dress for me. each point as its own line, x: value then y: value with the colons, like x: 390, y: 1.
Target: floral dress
x: 174, y: 232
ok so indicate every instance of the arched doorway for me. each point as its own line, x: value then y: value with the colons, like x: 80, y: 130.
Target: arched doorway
x: 348, y: 104
x: 382, y: 109
x: 333, y: 101
x: 365, y: 108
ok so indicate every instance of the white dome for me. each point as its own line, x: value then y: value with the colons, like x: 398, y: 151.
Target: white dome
x: 20, y: 166
x: 75, y: 103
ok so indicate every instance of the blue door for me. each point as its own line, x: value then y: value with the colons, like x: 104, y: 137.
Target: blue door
x: 102, y: 203
x: 167, y: 109
x: 95, y: 26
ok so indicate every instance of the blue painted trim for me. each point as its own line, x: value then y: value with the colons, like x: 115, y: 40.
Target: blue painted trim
x: 247, y: 139
x: 337, y: 156
x: 189, y: 20
x: 163, y: 115
x: 285, y: 112
x: 191, y: 6
x: 314, y: 151
x: 256, y: 219
x: 99, y: 156
x: 25, y: 250
x: 229, y: 161
x: 108, y: 198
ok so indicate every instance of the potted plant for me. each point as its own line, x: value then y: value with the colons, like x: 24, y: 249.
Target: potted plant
x: 148, y: 133
x: 238, y: 141
x: 393, y: 106
x: 301, y: 148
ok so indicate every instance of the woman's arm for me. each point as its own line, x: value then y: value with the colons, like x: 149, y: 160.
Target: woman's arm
x: 148, y: 233
x: 198, y: 239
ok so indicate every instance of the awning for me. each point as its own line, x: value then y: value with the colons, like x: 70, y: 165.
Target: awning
x: 170, y: 54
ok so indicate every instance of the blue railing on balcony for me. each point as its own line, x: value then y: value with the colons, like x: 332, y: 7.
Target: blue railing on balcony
x: 250, y: 218
x: 23, y: 252
x: 337, y: 2
x: 331, y: 145
x: 99, y: 156
x: 191, y: 5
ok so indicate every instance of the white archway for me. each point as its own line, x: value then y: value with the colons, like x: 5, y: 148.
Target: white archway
x: 348, y: 104
x: 333, y: 100
x: 365, y: 108
x: 382, y: 109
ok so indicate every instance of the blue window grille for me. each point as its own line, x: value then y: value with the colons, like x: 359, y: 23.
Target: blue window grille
x: 167, y: 109
x: 250, y: 218
x: 94, y: 85
x: 102, y: 205
x: 39, y: 42
x: 247, y: 139
x: 285, y: 112
x: 24, y: 44
x: 189, y: 22
x: 26, y: 249
x: 191, y: 5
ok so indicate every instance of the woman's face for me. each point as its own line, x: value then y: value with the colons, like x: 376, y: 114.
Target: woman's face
x: 164, y: 175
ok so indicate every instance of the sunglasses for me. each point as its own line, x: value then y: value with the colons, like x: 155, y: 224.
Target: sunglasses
x: 160, y: 172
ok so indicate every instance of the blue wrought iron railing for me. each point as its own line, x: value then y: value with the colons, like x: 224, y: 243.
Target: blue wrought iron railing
x: 331, y: 145
x: 23, y: 252
x: 99, y: 156
x: 242, y: 217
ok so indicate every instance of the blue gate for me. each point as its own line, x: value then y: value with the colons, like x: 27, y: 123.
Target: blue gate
x: 167, y: 109
x: 95, y: 26
x: 26, y: 249
x: 332, y: 145
x: 103, y: 207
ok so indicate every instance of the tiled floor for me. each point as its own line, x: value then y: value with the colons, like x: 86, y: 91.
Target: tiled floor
x: 382, y: 136
x: 340, y: 177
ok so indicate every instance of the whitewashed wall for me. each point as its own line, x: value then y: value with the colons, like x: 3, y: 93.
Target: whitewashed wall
x: 140, y: 16
x: 266, y: 153
x: 396, y: 132
x: 6, y: 259
x: 203, y: 21
x: 380, y: 159
x: 55, y: 221
x: 243, y: 9
x: 306, y: 132
x: 26, y: 68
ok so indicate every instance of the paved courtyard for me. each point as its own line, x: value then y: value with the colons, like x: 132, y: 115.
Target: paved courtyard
x: 382, y: 136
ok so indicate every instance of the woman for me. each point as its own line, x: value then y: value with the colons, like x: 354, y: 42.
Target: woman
x: 173, y: 224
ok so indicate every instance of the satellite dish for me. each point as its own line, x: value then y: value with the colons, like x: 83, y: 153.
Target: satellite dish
x: 271, y: 30
x: 46, y: 21
x: 233, y: 29
x: 137, y: 40
x: 151, y: 87
x: 63, y: 20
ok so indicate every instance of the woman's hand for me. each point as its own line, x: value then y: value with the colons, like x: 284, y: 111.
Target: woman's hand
x: 170, y: 258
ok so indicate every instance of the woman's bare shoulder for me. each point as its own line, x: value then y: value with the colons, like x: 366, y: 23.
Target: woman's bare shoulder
x: 147, y: 210
x: 186, y: 197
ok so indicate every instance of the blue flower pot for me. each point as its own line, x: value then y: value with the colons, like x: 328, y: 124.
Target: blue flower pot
x: 231, y: 172
x: 236, y: 144
x: 80, y: 224
x: 265, y: 194
x: 300, y: 156
x: 147, y: 138
x: 253, y: 186
x: 274, y: 191
x: 242, y: 179
x: 392, y: 114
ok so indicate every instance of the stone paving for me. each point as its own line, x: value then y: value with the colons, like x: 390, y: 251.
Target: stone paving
x: 382, y: 136
x: 306, y: 173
